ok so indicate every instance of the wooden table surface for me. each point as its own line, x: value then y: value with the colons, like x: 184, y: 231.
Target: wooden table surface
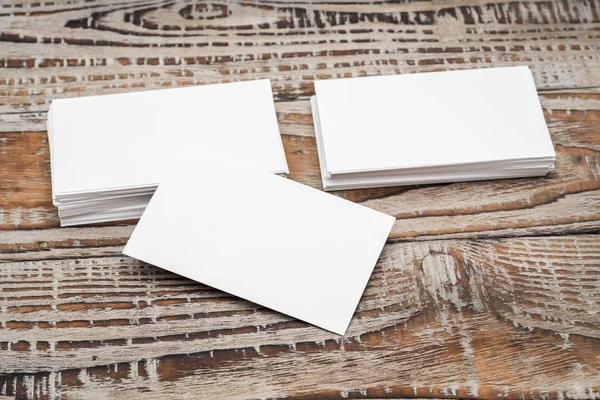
x: 484, y: 290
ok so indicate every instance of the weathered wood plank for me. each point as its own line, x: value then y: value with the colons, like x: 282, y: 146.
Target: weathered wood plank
x: 567, y: 201
x: 444, y: 318
x: 515, y: 317
x: 71, y: 48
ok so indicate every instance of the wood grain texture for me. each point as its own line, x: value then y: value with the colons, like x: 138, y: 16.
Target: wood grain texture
x: 103, y: 47
x: 484, y: 290
x: 478, y: 318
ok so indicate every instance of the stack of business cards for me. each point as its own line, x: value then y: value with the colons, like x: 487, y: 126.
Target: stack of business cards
x: 303, y: 252
x: 109, y: 153
x: 429, y: 128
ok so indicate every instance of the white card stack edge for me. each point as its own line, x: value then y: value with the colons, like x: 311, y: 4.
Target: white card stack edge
x: 430, y: 128
x: 108, y: 153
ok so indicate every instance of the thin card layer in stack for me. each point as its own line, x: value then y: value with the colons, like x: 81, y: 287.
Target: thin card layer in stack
x: 431, y: 127
x: 109, y: 153
x: 285, y: 246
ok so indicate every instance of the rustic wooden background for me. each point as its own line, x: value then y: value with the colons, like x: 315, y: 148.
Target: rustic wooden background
x: 488, y: 289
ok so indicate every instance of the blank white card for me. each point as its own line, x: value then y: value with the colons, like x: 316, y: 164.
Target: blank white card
x: 126, y: 140
x: 264, y: 238
x: 384, y: 123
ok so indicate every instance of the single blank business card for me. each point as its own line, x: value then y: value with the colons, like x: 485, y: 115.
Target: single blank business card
x: 264, y: 238
x: 126, y: 140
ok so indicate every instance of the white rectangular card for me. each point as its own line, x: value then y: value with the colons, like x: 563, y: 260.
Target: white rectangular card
x: 441, y: 118
x: 126, y: 140
x: 264, y: 238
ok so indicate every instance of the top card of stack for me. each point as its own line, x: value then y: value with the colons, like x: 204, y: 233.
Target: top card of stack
x: 430, y: 127
x: 108, y: 153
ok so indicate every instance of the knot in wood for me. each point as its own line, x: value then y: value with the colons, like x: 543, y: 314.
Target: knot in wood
x: 445, y: 279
